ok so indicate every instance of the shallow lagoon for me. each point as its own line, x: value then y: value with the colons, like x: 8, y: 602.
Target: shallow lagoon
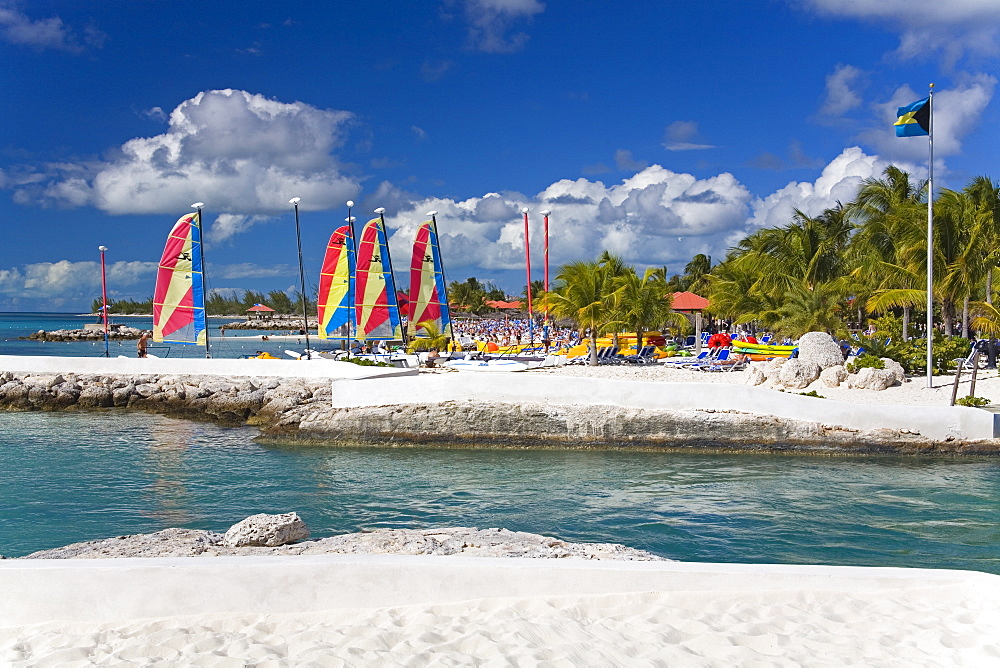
x: 70, y: 477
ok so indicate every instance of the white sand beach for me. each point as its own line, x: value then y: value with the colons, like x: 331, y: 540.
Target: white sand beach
x: 465, y: 611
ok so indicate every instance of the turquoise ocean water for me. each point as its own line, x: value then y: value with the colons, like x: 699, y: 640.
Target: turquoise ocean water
x: 13, y: 326
x: 70, y: 477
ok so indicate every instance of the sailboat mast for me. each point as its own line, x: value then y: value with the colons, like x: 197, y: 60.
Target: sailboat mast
x: 444, y: 277
x: 302, y: 276
x: 204, y: 275
x: 394, y: 297
x: 352, y: 287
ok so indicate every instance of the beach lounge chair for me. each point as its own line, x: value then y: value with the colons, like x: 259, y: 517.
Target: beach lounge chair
x: 969, y: 361
x: 608, y: 355
x: 646, y: 355
x: 726, y: 365
x: 710, y: 361
x: 686, y: 361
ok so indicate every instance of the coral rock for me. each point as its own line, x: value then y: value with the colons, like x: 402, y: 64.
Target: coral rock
x: 266, y: 531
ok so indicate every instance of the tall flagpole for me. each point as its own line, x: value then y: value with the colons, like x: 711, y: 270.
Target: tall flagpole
x: 930, y: 239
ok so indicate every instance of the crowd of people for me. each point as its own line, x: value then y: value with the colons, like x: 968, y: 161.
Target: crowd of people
x: 515, y: 331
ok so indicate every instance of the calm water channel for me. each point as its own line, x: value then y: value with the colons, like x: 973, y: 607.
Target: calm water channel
x: 72, y: 477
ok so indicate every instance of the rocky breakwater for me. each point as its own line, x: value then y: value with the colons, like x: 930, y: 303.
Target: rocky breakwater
x: 271, y: 324
x: 115, y: 333
x: 272, y: 402
x: 287, y: 534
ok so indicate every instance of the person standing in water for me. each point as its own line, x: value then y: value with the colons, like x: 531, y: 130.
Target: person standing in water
x: 140, y: 345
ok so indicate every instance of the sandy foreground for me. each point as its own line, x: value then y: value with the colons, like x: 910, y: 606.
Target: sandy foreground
x: 582, y: 613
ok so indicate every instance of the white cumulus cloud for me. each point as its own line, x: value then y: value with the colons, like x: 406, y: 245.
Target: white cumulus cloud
x: 957, y: 112
x: 839, y: 182
x: 47, y: 33
x: 841, y: 91
x: 238, y: 152
x: 952, y: 28
x: 63, y: 282
x: 655, y: 217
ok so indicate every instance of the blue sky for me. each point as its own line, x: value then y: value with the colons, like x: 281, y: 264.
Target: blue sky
x: 656, y: 130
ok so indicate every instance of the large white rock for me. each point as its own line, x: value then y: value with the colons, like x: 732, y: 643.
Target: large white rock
x: 896, y: 368
x: 820, y: 348
x: 755, y: 376
x: 871, y: 379
x: 771, y: 369
x: 798, y: 373
x: 833, y: 376
x: 266, y: 531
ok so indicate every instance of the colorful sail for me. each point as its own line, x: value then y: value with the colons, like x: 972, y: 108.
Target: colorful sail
x: 179, y: 299
x: 336, y: 286
x: 375, y: 301
x: 428, y: 301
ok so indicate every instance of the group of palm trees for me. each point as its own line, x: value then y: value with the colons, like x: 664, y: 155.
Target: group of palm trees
x: 869, y: 256
x: 854, y: 261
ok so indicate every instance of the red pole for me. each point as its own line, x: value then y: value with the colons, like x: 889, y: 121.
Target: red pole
x: 527, y: 265
x: 104, y: 299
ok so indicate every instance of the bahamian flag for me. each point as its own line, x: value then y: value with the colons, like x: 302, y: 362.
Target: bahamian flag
x: 914, y: 120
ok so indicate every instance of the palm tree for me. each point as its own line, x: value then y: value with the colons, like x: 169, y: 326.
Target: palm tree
x: 889, y: 251
x: 816, y: 310
x: 986, y: 194
x: 643, y: 304
x: 765, y: 269
x: 696, y: 272
x: 431, y: 338
x: 468, y: 295
x: 585, y: 293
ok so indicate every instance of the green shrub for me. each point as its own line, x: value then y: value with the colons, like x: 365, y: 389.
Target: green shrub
x: 363, y: 362
x: 973, y: 402
x: 812, y: 393
x: 865, y: 361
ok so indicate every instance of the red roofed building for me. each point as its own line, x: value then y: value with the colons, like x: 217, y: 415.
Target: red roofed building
x: 259, y: 311
x: 502, y: 304
x: 689, y: 301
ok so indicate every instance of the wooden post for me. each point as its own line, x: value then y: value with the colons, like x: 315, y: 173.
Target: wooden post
x: 954, y: 388
x: 975, y: 367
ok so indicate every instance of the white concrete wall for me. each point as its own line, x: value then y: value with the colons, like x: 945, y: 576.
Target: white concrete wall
x: 936, y: 422
x: 122, y: 366
x: 95, y: 590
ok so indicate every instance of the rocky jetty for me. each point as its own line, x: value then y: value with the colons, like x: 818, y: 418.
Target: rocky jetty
x: 227, y: 400
x: 286, y: 323
x: 301, y: 409
x: 462, y: 541
x: 115, y: 333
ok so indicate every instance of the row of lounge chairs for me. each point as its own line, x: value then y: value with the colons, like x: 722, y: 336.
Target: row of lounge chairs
x: 705, y: 361
x: 609, y: 355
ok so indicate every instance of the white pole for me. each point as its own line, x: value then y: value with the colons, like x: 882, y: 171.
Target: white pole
x: 930, y: 240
